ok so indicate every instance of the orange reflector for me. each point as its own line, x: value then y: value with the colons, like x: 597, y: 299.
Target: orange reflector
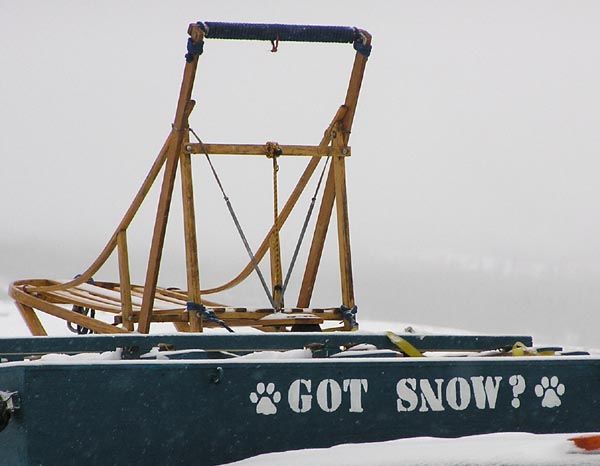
x: 587, y: 442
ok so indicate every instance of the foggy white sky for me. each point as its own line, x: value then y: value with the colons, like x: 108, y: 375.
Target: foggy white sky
x: 473, y: 192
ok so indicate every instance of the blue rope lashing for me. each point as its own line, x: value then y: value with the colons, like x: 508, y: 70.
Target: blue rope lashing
x: 363, y: 48
x: 193, y: 49
x: 349, y: 315
x: 207, y: 314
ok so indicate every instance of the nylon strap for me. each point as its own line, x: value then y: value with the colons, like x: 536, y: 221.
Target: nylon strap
x: 207, y: 314
x: 404, y: 345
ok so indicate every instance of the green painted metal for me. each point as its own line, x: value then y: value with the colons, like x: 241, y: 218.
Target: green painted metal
x: 93, y: 411
x: 215, y: 411
x: 16, y: 348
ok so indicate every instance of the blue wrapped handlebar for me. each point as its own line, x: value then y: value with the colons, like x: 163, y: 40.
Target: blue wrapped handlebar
x: 281, y: 32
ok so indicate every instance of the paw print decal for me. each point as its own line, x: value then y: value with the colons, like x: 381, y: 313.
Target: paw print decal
x: 550, y: 390
x: 265, y: 398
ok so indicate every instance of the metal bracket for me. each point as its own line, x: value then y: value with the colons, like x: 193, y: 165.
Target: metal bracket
x: 9, y: 403
x: 12, y: 400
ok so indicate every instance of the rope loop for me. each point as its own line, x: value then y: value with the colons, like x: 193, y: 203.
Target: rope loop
x: 273, y: 149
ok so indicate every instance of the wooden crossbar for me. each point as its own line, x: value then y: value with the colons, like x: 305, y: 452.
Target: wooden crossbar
x: 258, y: 149
x: 232, y: 318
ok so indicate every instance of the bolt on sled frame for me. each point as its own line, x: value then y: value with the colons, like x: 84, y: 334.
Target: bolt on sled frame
x: 190, y: 310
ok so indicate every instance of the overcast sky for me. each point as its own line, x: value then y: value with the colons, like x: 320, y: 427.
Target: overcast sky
x: 473, y: 180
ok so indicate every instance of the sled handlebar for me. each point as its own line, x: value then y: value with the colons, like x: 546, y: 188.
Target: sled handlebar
x: 281, y: 32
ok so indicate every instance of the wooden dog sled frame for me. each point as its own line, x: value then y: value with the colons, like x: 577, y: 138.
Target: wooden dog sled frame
x: 77, y: 300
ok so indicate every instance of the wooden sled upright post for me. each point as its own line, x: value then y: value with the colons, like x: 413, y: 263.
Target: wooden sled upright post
x: 178, y: 135
x: 335, y: 189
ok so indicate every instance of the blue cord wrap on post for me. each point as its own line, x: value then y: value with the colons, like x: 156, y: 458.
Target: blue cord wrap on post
x: 286, y: 32
x: 362, y: 47
x: 193, y: 49
x: 207, y: 314
x: 349, y: 315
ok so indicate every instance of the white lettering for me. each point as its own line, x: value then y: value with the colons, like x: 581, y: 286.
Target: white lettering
x: 406, y: 392
x: 334, y: 400
x: 300, y: 403
x: 458, y: 393
x: 429, y: 397
x: 486, y: 392
x: 356, y: 386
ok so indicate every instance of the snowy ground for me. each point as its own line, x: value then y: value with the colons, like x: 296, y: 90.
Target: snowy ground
x: 492, y: 449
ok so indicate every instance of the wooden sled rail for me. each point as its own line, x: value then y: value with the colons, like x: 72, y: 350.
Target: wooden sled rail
x: 169, y: 306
